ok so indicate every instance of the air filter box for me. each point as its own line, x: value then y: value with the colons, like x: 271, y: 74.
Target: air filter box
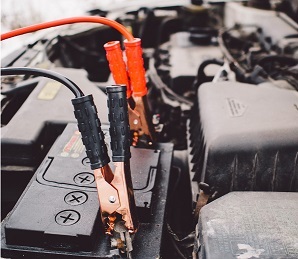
x: 249, y: 225
x: 245, y: 137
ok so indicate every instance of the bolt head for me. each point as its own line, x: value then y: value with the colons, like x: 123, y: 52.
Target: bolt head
x: 112, y: 199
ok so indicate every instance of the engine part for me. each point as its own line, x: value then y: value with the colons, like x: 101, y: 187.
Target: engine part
x: 249, y: 225
x: 283, y: 40
x: 237, y: 137
x: 25, y: 135
x: 275, y: 26
x: 66, y: 222
x: 247, y: 50
x: 260, y: 4
x: 244, y: 138
x: 180, y: 50
x: 290, y: 7
x: 33, y: 126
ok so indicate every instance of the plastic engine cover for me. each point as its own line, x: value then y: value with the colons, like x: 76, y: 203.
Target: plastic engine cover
x: 245, y: 137
x: 245, y: 225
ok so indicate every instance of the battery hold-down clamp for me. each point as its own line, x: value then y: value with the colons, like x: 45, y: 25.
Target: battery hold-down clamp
x: 115, y: 192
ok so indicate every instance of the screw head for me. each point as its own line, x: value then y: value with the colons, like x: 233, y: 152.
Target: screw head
x: 135, y: 121
x: 112, y: 199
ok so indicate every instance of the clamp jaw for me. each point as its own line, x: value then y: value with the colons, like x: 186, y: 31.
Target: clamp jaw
x: 115, y: 191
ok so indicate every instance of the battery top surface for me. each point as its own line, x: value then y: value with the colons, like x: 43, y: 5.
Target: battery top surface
x: 47, y: 108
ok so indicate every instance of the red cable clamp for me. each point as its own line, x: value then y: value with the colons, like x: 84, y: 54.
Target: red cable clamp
x: 135, y: 66
x: 117, y: 64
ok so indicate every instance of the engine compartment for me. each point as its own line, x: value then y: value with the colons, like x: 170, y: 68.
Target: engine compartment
x: 222, y: 81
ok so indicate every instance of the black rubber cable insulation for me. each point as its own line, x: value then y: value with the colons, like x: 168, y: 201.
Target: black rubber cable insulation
x: 9, y: 71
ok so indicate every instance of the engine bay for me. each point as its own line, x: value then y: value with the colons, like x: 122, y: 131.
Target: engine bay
x: 212, y: 142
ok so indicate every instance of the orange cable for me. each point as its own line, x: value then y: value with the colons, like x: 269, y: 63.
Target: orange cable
x: 92, y: 19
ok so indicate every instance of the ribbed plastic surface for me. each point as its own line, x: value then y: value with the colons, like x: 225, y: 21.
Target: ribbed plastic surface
x: 119, y: 125
x: 243, y: 225
x: 117, y: 64
x: 92, y: 135
x: 245, y: 137
x: 135, y: 66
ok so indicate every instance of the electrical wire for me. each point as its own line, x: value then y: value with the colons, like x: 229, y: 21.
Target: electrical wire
x: 179, y: 253
x: 152, y: 73
x: 171, y: 201
x: 9, y: 71
x: 162, y: 33
x: 235, y: 66
x: 92, y: 19
x: 285, y: 60
x: 201, y: 76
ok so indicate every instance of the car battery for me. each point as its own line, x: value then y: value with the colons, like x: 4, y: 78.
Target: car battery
x: 29, y: 134
x: 43, y: 116
x: 58, y: 215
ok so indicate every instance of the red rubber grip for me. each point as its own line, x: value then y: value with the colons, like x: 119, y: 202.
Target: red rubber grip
x: 135, y: 66
x: 117, y: 64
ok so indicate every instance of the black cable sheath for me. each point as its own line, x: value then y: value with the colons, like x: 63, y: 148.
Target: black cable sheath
x: 119, y: 124
x: 285, y: 60
x: 9, y: 71
x: 92, y: 134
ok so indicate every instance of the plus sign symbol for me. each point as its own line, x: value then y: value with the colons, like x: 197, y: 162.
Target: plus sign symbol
x: 76, y: 198
x: 67, y: 217
x: 84, y: 178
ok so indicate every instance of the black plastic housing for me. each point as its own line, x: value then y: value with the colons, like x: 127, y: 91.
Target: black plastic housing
x: 119, y: 124
x: 35, y: 125
x: 26, y: 138
x: 92, y: 135
x: 245, y: 137
x: 249, y: 225
x: 65, y: 184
